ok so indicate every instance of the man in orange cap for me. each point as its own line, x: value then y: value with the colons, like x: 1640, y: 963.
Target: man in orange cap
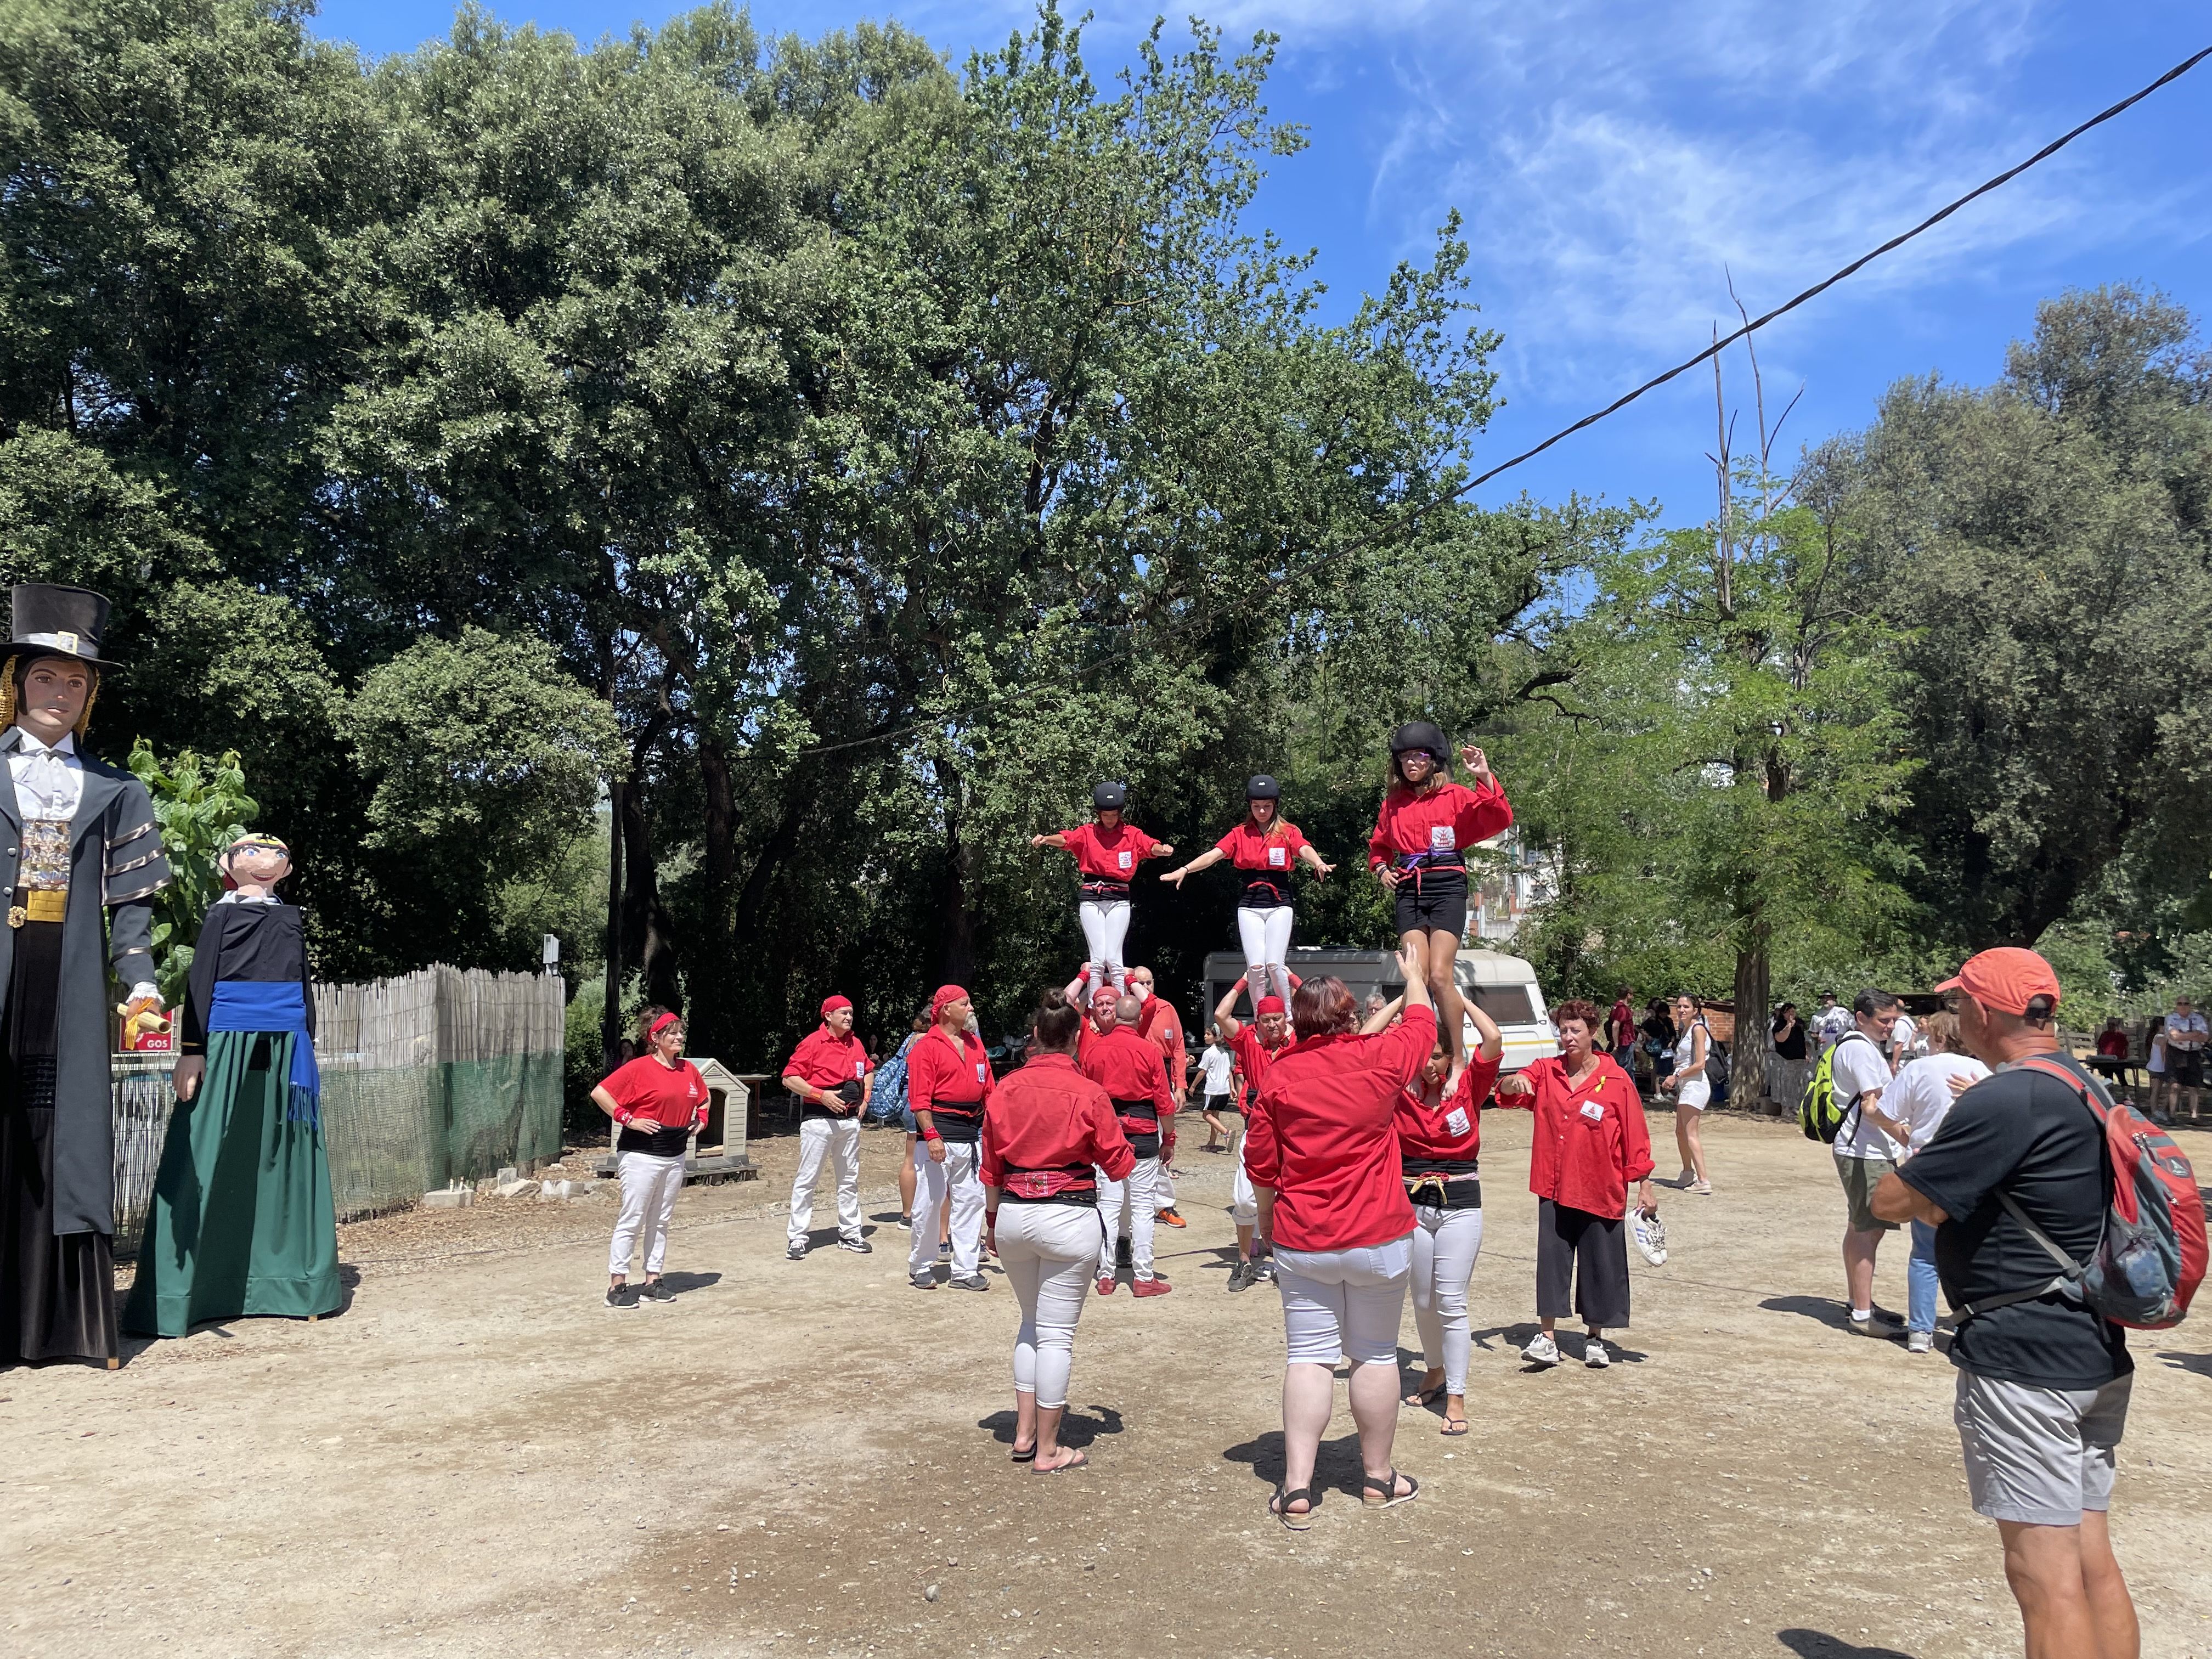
x: 2043, y: 1380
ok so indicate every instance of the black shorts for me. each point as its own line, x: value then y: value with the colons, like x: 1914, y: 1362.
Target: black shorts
x: 2186, y: 1066
x: 1436, y: 903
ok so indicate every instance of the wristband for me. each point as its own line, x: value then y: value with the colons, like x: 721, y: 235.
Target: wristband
x: 931, y: 1134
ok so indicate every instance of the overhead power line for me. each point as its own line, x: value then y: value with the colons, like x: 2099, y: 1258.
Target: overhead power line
x: 1757, y: 323
x: 1409, y: 516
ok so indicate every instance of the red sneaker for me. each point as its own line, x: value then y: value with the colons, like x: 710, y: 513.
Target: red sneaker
x: 1106, y: 1287
x: 1150, y: 1287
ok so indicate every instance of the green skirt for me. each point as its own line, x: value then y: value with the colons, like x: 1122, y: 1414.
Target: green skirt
x: 242, y: 1222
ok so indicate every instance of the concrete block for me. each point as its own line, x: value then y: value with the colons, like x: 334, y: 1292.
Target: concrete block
x: 507, y: 1173
x: 515, y: 1188
x: 449, y: 1198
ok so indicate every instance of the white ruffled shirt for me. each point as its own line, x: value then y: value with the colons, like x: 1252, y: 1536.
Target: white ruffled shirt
x: 49, y: 784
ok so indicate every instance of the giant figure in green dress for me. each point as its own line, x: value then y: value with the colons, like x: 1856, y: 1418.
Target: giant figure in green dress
x: 242, y: 1222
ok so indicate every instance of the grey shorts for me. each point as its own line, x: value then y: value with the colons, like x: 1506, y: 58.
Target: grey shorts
x: 2039, y: 1456
x: 1860, y: 1176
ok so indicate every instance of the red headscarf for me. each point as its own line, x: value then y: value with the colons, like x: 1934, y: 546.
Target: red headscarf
x: 945, y: 997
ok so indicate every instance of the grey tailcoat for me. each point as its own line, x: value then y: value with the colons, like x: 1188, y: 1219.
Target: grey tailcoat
x: 116, y: 865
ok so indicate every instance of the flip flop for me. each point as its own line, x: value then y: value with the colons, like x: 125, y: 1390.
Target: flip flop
x: 1425, y: 1396
x: 1078, y: 1461
x: 1028, y: 1456
x: 1454, y: 1426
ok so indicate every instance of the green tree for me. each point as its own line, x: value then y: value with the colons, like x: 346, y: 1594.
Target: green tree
x: 2046, y: 542
x: 202, y: 806
x: 485, y: 761
x: 1728, y: 756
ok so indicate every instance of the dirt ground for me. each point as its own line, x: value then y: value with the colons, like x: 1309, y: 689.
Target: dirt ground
x: 477, y: 1457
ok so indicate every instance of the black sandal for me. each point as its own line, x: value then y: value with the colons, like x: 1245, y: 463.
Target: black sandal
x: 1389, y: 1487
x: 1279, y: 1507
x: 1028, y: 1456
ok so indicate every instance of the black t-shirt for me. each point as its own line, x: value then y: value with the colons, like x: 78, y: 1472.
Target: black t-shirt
x: 1793, y: 1046
x: 2027, y: 1134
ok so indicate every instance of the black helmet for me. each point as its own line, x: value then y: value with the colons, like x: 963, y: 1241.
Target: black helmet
x: 1421, y: 734
x: 1262, y: 787
x: 1109, y: 797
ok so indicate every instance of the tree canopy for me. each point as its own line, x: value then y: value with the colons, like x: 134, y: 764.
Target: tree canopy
x: 711, y: 498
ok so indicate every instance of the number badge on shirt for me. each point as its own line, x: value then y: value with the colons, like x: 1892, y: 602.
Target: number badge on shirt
x: 1442, y: 838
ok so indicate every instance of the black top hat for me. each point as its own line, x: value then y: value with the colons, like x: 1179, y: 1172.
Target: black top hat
x: 50, y: 620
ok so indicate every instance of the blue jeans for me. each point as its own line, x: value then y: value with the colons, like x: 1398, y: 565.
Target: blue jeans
x: 1920, y: 1279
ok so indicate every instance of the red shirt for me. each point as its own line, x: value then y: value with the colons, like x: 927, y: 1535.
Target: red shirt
x: 1322, y: 1134
x: 1449, y: 1132
x: 1253, y: 1058
x: 1104, y: 854
x: 1447, y: 821
x: 1583, y: 1161
x: 1160, y: 1023
x: 1049, y: 1116
x: 951, y: 1078
x: 1267, y: 858
x: 1624, y: 1025
x: 674, y: 1096
x: 1128, y: 1067
x: 2113, y: 1043
x: 826, y: 1060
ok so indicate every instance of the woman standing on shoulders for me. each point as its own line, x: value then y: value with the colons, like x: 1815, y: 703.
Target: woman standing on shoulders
x: 1419, y: 852
x: 1439, y: 1136
x: 657, y: 1098
x: 1049, y: 1131
x: 1322, y: 1148
x: 1693, y: 1092
x: 1590, y: 1143
x: 1261, y: 849
x: 1107, y: 854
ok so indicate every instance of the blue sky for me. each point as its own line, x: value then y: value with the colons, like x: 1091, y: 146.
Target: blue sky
x: 1614, y: 162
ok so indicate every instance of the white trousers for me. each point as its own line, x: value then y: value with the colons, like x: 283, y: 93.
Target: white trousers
x: 1129, y: 1207
x: 1048, y: 1250
x: 649, y: 1186
x: 955, y: 1182
x: 1344, y: 1302
x: 1445, y: 1245
x: 1243, y: 1202
x: 1105, y: 928
x: 838, y: 1141
x: 1266, y: 935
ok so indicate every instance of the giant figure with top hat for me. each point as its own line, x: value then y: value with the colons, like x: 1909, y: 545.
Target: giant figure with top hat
x: 81, y: 861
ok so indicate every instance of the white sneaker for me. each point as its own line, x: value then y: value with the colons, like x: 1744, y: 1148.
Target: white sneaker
x: 1649, y: 1234
x: 1920, y: 1342
x: 1541, y: 1349
x: 1594, y: 1354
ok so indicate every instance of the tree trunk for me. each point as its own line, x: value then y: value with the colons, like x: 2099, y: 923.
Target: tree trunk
x: 714, y: 997
x: 648, y: 934
x: 610, y: 1019
x: 1754, y: 1036
x: 957, y: 922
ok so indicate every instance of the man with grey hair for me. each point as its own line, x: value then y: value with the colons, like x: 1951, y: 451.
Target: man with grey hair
x: 1134, y: 1076
x: 1867, y: 1147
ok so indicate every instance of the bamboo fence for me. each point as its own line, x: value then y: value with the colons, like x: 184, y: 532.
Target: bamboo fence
x: 439, y: 1076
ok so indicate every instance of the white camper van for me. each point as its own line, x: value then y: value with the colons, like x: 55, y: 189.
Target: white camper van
x: 1503, y: 987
